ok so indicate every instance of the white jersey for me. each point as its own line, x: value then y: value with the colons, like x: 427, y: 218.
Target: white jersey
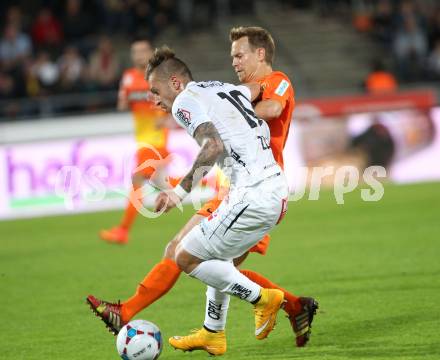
x: 248, y: 158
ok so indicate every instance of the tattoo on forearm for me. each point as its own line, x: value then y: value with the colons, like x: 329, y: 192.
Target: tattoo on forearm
x: 211, y: 144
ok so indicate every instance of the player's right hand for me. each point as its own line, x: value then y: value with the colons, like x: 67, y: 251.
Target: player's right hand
x: 166, y: 200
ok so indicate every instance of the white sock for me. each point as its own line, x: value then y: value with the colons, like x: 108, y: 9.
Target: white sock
x: 223, y: 276
x: 216, y: 312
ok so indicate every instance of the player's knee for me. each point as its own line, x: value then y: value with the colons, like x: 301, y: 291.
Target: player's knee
x: 182, y: 261
x: 170, y: 250
x: 185, y: 261
x: 238, y: 261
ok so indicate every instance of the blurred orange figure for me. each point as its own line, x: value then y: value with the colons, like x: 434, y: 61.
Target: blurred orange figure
x: 151, y: 136
x: 379, y: 80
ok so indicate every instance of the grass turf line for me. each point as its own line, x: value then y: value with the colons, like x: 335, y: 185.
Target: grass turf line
x: 374, y: 267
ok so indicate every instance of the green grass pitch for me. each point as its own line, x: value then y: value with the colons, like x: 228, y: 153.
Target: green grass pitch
x: 374, y: 267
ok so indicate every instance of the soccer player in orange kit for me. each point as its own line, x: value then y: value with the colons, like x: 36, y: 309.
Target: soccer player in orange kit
x: 150, y: 133
x: 252, y: 53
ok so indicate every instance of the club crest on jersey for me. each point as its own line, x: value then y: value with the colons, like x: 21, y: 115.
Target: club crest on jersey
x: 282, y: 87
x: 212, y: 216
x: 184, y: 116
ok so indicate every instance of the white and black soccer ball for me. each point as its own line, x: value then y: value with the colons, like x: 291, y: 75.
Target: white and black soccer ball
x: 139, y: 340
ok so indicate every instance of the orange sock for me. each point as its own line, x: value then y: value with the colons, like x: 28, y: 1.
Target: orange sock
x: 293, y: 304
x: 130, y: 211
x: 157, y: 283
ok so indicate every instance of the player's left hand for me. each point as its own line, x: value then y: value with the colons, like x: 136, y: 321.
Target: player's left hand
x: 166, y: 200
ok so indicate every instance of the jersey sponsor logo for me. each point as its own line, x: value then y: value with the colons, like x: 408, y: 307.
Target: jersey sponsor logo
x: 240, y: 291
x: 184, y: 116
x: 282, y: 87
x: 214, y: 310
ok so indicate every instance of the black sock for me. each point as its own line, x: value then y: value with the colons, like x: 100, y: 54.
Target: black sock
x: 256, y: 300
x: 208, y: 329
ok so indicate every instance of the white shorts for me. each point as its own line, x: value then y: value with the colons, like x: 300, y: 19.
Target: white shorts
x: 241, y: 220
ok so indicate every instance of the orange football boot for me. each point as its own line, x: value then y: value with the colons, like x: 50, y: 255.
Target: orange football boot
x: 116, y: 235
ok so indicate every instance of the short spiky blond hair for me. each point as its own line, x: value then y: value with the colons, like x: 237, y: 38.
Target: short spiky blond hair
x: 165, y: 60
x: 257, y: 37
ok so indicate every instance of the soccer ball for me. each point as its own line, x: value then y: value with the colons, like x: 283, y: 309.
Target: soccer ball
x: 139, y: 340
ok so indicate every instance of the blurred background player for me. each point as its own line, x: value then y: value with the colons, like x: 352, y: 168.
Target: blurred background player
x: 252, y: 50
x: 150, y: 132
x: 379, y: 80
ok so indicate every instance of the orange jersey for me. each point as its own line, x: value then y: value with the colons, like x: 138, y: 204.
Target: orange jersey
x: 277, y: 86
x: 381, y: 82
x: 136, y: 90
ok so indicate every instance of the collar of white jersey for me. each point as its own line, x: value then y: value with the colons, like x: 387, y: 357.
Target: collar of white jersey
x: 191, y: 83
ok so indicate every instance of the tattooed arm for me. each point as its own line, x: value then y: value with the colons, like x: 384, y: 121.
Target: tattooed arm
x: 212, y: 147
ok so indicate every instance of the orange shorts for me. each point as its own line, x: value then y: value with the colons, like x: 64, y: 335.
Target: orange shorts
x: 149, y: 160
x: 210, y: 206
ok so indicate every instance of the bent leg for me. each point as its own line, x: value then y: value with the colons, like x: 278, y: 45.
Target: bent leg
x: 161, y: 277
x: 293, y: 304
x: 194, y: 258
x: 219, y: 274
x: 170, y: 249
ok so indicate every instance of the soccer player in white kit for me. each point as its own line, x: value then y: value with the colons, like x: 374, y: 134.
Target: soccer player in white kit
x: 220, y: 118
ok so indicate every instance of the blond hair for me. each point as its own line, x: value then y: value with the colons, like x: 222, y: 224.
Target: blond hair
x: 257, y: 37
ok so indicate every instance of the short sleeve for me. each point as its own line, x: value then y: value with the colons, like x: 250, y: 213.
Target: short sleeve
x: 277, y: 88
x: 189, y: 113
